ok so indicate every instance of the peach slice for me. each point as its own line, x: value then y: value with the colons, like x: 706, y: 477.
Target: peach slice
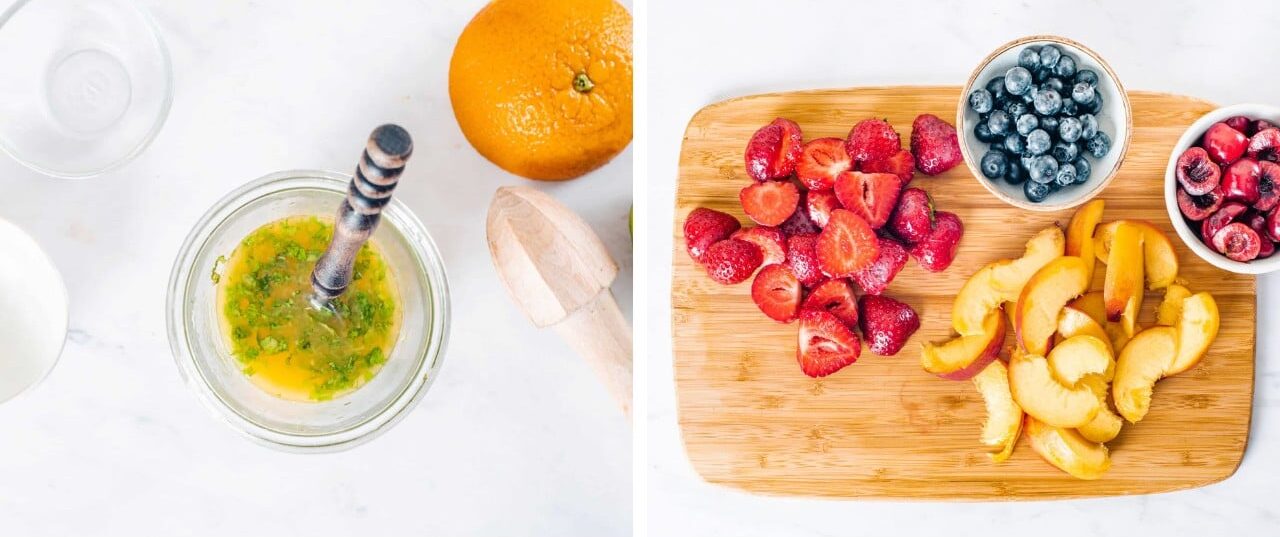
x: 1073, y: 322
x: 1079, y: 356
x: 1170, y: 308
x: 1042, y: 299
x: 1002, y: 281
x: 1004, y: 416
x: 962, y: 357
x: 1040, y: 395
x: 1106, y: 425
x: 1080, y: 232
x: 1159, y: 256
x: 1068, y: 450
x: 1197, y: 328
x: 1122, y: 291
x: 1092, y: 305
x: 1142, y: 362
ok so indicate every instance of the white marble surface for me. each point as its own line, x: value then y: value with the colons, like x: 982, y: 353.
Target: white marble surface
x: 703, y: 52
x: 516, y: 437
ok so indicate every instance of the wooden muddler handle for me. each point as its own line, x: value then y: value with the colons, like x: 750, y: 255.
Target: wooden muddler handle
x: 376, y: 176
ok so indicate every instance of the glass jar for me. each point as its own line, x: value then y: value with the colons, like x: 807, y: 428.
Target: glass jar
x: 203, y: 352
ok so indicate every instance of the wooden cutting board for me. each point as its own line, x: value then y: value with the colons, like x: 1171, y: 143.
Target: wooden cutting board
x: 883, y: 428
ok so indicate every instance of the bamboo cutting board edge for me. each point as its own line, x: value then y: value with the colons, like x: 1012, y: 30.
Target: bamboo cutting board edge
x: 805, y: 487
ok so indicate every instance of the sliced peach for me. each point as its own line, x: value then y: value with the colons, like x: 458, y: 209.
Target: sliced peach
x: 1073, y: 322
x: 1068, y: 450
x: 1119, y: 337
x: 1079, y: 356
x: 1041, y: 395
x: 1170, y: 308
x: 1004, y: 416
x: 1122, y: 291
x: 962, y: 357
x: 1080, y: 232
x: 1092, y: 305
x: 1142, y: 362
x: 1159, y: 256
x: 1197, y: 328
x: 1002, y: 281
x: 1106, y: 425
x: 1048, y: 290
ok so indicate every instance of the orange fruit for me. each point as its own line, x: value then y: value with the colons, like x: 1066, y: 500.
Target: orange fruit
x: 542, y: 88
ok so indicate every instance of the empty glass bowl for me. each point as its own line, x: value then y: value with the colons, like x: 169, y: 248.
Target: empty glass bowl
x: 204, y: 354
x: 85, y: 84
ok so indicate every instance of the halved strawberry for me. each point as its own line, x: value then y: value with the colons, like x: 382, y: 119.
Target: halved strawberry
x: 800, y: 223
x: 821, y: 161
x: 820, y: 204
x: 836, y: 297
x: 704, y: 227
x: 770, y: 203
x: 846, y: 245
x: 879, y: 274
x: 871, y: 196
x: 825, y: 344
x: 901, y: 164
x: 802, y: 258
x: 872, y: 139
x: 771, y: 240
x: 773, y: 150
x: 777, y: 293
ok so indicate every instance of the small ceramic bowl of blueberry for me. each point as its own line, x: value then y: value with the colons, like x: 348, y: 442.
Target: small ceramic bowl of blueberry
x: 1044, y: 123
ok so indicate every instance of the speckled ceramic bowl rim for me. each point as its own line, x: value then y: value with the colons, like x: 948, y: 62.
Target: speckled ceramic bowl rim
x: 1084, y: 195
x: 1190, y: 237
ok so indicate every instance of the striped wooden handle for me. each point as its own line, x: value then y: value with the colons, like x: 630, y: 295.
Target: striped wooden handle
x: 376, y: 176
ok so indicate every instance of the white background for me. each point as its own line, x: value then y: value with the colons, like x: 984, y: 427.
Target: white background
x: 516, y: 437
x: 703, y: 52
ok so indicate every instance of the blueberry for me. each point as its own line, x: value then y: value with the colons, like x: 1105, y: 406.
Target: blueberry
x: 1042, y: 169
x: 1017, y: 80
x: 1049, y: 55
x: 1069, y: 107
x: 1035, y: 192
x: 1082, y: 93
x: 1087, y: 76
x: 993, y: 164
x: 1069, y: 129
x: 1095, y: 106
x: 1015, y: 144
x: 1066, y: 175
x: 1015, y: 174
x: 1038, y: 142
x: 1048, y: 103
x: 980, y: 101
x: 999, y: 122
x: 1099, y: 145
x: 1027, y: 123
x: 1065, y: 151
x: 1026, y: 159
x: 1029, y: 58
x: 1029, y: 96
x: 1066, y: 66
x: 996, y: 87
x: 1042, y: 74
x: 1054, y: 83
x: 1016, y: 109
x: 1049, y: 124
x: 1088, y: 126
x: 983, y: 133
x: 1082, y: 169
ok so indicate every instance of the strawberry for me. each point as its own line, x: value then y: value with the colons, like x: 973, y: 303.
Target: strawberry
x: 825, y: 344
x: 777, y: 293
x: 871, y: 196
x: 820, y: 204
x: 934, y: 144
x: 834, y: 296
x: 821, y: 161
x: 912, y: 221
x: 901, y: 164
x: 886, y: 323
x: 771, y: 240
x: 872, y: 139
x: 732, y: 261
x: 936, y: 251
x: 770, y: 203
x: 704, y: 227
x: 880, y: 273
x: 800, y: 223
x: 773, y: 150
x: 802, y: 259
x: 846, y: 245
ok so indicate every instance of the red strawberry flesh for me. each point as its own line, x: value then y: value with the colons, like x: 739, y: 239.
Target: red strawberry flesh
x: 912, y: 221
x: 770, y: 203
x: 802, y: 259
x: 846, y: 245
x: 872, y: 196
x: 821, y: 161
x: 820, y: 204
x: 773, y: 150
x: 886, y: 323
x: 901, y: 164
x: 934, y: 144
x: 825, y: 344
x: 872, y: 139
x: 771, y: 241
x: 877, y: 276
x: 732, y: 261
x: 936, y: 252
x: 704, y: 227
x: 777, y: 293
x: 834, y: 296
